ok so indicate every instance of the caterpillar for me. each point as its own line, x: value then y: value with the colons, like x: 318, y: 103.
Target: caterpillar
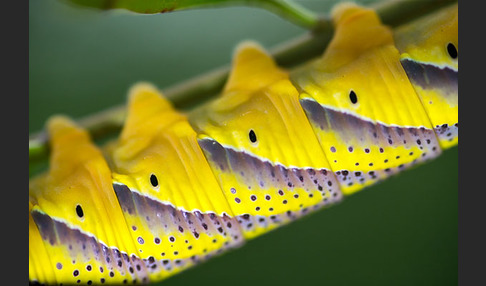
x: 176, y: 189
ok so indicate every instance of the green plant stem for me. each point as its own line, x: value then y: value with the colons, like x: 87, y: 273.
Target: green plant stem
x: 284, y: 8
x: 193, y: 92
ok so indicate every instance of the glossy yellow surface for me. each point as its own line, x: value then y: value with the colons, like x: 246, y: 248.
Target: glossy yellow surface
x: 158, y: 140
x: 274, y: 161
x: 259, y: 97
x: 363, y: 60
x: 425, y: 41
x: 78, y: 176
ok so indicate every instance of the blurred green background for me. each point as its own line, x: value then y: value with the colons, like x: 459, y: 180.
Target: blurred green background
x: 402, y: 231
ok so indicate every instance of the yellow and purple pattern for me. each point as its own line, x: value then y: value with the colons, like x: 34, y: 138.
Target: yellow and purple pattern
x: 177, y: 189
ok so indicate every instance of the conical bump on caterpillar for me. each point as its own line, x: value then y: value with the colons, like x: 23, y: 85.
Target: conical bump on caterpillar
x: 373, y: 126
x: 266, y: 164
x: 75, y: 216
x: 178, y: 188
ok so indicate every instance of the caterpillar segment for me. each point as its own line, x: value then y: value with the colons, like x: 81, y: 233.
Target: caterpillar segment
x: 261, y: 146
x: 429, y: 55
x: 361, y: 104
x: 176, y: 189
x: 77, y: 231
x: 171, y: 200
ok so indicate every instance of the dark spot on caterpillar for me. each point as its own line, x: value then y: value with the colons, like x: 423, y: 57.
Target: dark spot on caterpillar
x: 88, y: 267
x: 353, y: 97
x: 452, y: 51
x: 367, y: 150
x: 253, y: 197
x: 59, y: 266
x: 154, y: 181
x: 252, y: 136
x: 157, y: 240
x: 79, y: 211
x: 75, y: 273
x: 172, y: 239
x: 140, y: 240
x: 237, y: 200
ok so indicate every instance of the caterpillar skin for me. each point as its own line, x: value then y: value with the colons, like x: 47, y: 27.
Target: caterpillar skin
x: 176, y: 189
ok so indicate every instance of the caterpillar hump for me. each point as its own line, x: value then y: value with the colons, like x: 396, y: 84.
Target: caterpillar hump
x: 267, y: 183
x: 176, y: 189
x: 362, y: 106
x: 429, y: 55
x: 76, y: 227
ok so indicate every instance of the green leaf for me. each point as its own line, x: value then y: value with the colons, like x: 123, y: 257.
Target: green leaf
x: 285, y: 8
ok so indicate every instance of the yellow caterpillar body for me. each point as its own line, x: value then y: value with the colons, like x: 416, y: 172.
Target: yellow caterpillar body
x: 178, y: 188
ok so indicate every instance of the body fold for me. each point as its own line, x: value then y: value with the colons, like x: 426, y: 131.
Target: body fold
x: 175, y: 189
